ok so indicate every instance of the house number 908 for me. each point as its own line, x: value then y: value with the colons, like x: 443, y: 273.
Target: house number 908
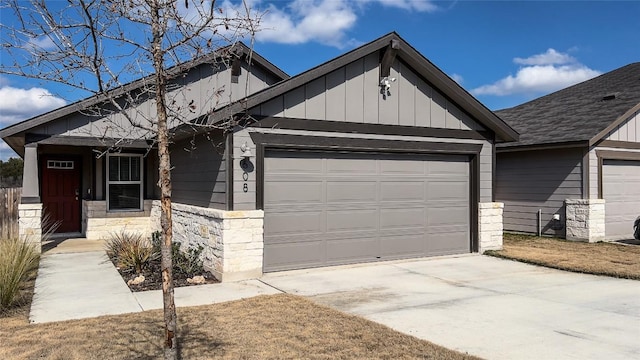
x: 245, y: 177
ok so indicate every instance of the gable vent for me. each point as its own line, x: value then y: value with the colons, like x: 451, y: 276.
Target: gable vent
x: 611, y: 96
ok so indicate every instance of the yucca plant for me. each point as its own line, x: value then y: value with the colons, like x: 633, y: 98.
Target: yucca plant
x: 18, y: 258
x: 132, y: 252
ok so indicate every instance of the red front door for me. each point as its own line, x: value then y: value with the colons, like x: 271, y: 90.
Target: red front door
x: 61, y: 192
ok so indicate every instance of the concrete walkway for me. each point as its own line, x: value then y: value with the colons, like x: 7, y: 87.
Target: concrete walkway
x: 492, y: 308
x: 76, y: 280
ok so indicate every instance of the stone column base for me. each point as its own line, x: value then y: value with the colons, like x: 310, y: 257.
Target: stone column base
x: 585, y: 219
x: 490, y: 228
x: 30, y: 223
x: 232, y: 240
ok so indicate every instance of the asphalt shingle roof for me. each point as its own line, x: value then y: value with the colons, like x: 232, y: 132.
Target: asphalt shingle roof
x: 577, y: 113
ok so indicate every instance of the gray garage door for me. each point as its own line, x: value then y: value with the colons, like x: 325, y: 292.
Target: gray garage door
x: 325, y: 208
x: 621, y: 191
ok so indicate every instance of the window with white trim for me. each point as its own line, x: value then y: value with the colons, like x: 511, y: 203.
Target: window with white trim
x: 124, y: 182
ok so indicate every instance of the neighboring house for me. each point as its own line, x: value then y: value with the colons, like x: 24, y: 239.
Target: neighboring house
x: 374, y: 155
x: 578, y: 159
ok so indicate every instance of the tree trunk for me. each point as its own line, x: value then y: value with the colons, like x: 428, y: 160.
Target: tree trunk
x: 164, y: 168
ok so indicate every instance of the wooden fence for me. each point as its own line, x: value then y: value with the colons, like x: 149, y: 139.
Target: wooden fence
x: 9, y: 200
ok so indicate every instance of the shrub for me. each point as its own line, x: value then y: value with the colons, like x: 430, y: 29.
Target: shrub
x: 188, y: 263
x: 131, y: 251
x: 18, y: 258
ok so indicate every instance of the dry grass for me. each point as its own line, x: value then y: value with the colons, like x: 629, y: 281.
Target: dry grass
x: 265, y: 327
x: 622, y: 261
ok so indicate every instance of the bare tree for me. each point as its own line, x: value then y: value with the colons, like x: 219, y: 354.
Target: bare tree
x: 125, y: 53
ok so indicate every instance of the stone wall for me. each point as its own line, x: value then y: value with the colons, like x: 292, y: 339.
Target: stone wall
x: 30, y: 223
x: 98, y: 223
x: 232, y: 240
x: 585, y: 219
x: 490, y: 228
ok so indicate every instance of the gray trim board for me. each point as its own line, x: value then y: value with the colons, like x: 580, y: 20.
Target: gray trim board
x: 377, y: 129
x: 474, y: 199
x: 229, y: 169
x: 30, y: 200
x: 561, y: 145
x: 612, y: 155
x: 85, y: 141
x: 619, y: 144
x: 358, y: 144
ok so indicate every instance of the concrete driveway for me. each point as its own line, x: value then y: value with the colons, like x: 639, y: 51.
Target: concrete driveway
x: 492, y: 308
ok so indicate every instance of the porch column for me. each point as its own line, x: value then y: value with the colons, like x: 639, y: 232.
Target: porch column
x: 30, y: 208
x: 30, y: 184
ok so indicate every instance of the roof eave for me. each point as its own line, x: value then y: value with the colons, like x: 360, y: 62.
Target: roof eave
x: 622, y: 118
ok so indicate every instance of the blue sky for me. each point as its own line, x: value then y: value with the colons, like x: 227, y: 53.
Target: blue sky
x: 504, y: 53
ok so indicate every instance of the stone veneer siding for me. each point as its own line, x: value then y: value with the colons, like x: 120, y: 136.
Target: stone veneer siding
x: 585, y: 219
x: 30, y: 223
x: 232, y: 240
x: 98, y: 223
x: 490, y: 228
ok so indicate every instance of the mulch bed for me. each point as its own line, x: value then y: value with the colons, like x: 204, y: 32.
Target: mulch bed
x: 153, y: 277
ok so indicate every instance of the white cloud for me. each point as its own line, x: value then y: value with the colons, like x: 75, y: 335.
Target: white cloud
x: 19, y: 104
x: 548, y: 58
x: 323, y: 21
x: 412, y: 5
x: 41, y: 43
x: 457, y: 78
x: 542, y: 73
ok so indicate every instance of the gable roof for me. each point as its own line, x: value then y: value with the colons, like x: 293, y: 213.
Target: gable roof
x: 584, y: 112
x: 411, y: 56
x: 238, y: 49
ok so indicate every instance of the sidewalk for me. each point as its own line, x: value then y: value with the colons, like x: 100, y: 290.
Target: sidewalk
x: 76, y: 280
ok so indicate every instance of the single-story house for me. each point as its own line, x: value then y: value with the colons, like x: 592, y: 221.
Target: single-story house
x: 575, y: 172
x: 374, y: 155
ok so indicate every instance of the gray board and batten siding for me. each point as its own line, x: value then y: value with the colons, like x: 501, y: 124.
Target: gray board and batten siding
x: 199, y: 172
x: 528, y: 181
x: 352, y: 94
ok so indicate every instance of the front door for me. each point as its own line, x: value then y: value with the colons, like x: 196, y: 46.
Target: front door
x: 61, y: 192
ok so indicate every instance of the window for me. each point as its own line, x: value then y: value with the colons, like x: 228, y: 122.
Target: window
x: 57, y: 164
x: 124, y: 182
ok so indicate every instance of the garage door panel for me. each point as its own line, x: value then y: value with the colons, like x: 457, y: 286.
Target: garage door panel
x: 402, y: 191
x: 292, y: 163
x: 294, y: 256
x: 351, y: 220
x: 621, y: 191
x: 371, y: 207
x: 448, y: 243
x: 453, y: 166
x: 399, y: 246
x: 347, y: 191
x: 403, y: 167
x: 289, y: 192
x: 308, y: 222
x: 342, y: 165
x: 344, y: 250
x: 447, y: 216
x: 402, y: 218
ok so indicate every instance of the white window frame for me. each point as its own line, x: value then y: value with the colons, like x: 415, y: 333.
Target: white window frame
x: 141, y: 182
